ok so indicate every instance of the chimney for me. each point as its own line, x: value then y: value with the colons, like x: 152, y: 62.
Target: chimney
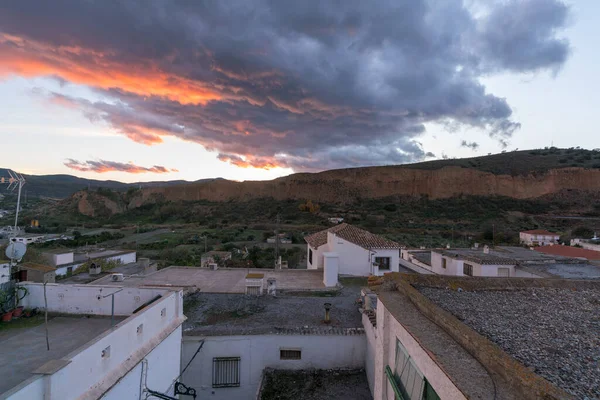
x: 272, y: 287
x: 486, y: 249
x: 327, y: 309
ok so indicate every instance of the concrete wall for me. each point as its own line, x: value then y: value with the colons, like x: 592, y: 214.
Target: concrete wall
x: 384, y: 336
x: 357, y: 261
x: 455, y: 267
x: 117, y: 376
x: 317, y: 259
x: 59, y: 259
x: 4, y: 272
x: 261, y: 351
x: 87, y: 299
x: 126, y: 258
x: 370, y: 351
x: 162, y: 368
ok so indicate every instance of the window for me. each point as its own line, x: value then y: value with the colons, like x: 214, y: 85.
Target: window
x: 505, y: 272
x: 310, y: 256
x: 383, y: 262
x: 443, y: 263
x: 290, y: 354
x: 226, y: 372
x: 407, y: 380
x: 467, y: 269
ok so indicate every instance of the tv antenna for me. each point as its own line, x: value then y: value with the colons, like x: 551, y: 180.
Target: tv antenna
x: 15, y: 181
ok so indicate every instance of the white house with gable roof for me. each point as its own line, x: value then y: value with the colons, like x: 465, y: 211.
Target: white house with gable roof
x: 357, y: 251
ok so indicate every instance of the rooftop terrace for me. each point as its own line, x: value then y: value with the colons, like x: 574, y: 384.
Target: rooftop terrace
x: 223, y: 280
x: 552, y: 331
x: 23, y: 350
x: 303, y: 312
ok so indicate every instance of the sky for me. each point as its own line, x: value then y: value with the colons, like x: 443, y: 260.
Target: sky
x: 146, y: 90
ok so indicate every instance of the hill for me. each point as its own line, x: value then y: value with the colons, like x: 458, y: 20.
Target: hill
x: 62, y: 186
x: 517, y: 175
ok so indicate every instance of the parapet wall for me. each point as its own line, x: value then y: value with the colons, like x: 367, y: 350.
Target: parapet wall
x: 521, y: 380
x: 477, y: 283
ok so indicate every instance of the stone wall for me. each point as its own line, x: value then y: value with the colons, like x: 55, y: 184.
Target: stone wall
x: 479, y: 283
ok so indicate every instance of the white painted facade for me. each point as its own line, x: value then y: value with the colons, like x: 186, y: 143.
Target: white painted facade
x: 28, y: 239
x: 152, y: 334
x: 585, y: 244
x: 455, y: 267
x: 4, y: 271
x: 534, y: 239
x: 354, y: 260
x: 258, y: 352
x: 123, y: 258
x: 58, y: 259
x: 382, y: 341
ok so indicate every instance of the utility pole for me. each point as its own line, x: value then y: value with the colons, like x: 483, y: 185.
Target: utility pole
x: 277, y: 241
x: 494, y: 235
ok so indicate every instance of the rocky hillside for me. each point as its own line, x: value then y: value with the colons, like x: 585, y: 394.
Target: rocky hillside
x: 378, y: 182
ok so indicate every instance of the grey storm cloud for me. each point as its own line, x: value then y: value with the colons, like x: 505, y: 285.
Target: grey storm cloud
x: 307, y: 85
x: 471, y: 145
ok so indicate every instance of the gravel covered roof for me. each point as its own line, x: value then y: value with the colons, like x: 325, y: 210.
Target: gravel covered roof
x: 541, y: 232
x: 289, y: 313
x: 354, y: 235
x: 553, y: 331
x: 477, y: 256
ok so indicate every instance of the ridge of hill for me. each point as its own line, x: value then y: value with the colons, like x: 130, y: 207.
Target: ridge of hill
x: 517, y: 175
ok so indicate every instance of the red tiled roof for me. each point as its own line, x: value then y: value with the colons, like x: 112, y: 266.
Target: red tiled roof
x: 360, y: 237
x: 541, y: 232
x: 568, y: 251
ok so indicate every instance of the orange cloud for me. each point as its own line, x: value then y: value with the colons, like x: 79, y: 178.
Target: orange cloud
x: 103, y: 166
x: 86, y: 67
x: 249, y: 161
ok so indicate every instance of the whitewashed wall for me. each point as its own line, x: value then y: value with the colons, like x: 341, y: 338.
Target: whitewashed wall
x: 317, y: 258
x: 385, y: 334
x: 357, y: 261
x: 126, y: 258
x: 258, y: 352
x: 4, y: 272
x: 87, y: 299
x: 90, y: 375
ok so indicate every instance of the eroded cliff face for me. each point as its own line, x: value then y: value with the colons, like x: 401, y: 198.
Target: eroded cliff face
x: 377, y: 182
x: 93, y: 205
x: 373, y: 182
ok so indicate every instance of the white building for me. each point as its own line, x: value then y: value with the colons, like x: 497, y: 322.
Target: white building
x: 280, y: 333
x: 464, y: 262
x: 58, y: 257
x: 78, y: 259
x: 91, y: 355
x: 28, y: 239
x: 416, y: 350
x: 538, y: 237
x: 354, y: 251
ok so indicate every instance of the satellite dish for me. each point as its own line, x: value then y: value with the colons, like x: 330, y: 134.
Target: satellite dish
x: 15, y: 251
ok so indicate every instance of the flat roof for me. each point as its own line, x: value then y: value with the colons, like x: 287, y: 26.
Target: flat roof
x: 223, y: 280
x: 57, y: 251
x: 501, y: 255
x: 212, y: 314
x: 564, y: 271
x: 37, y: 267
x: 462, y: 368
x: 23, y: 350
x: 553, y: 331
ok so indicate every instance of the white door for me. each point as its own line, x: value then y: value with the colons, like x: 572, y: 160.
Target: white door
x: 504, y: 272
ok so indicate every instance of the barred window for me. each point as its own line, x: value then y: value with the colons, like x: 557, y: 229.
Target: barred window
x: 226, y: 372
x: 467, y: 269
x: 289, y: 354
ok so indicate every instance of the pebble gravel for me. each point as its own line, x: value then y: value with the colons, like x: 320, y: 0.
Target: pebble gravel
x: 554, y: 332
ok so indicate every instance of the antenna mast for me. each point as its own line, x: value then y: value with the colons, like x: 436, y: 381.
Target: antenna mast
x: 14, y: 181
